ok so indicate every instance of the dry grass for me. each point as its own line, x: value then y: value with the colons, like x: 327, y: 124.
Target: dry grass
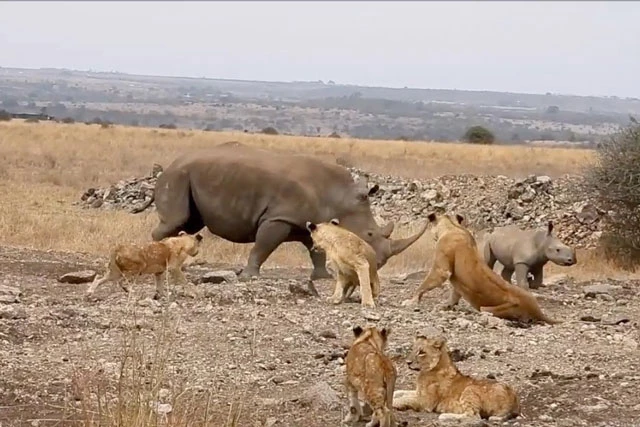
x: 44, y: 167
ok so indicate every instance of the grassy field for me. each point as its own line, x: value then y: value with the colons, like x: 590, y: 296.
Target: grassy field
x: 44, y: 167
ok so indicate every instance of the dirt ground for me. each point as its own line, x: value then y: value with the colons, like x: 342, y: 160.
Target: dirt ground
x: 281, y: 352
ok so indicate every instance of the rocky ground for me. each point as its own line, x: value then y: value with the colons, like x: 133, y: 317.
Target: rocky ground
x: 486, y: 201
x: 281, y: 349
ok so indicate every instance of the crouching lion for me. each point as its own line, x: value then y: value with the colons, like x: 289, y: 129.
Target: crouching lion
x: 168, y: 255
x: 354, y: 259
x: 441, y: 388
x: 457, y: 259
x: 372, y: 375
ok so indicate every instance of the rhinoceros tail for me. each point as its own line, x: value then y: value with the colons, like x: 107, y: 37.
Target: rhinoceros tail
x: 145, y: 205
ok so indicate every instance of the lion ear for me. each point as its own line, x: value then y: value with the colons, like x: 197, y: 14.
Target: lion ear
x: 385, y: 332
x: 335, y: 221
x: 431, y: 217
x: 438, y: 342
x: 182, y: 233
x: 357, y: 330
x: 459, y: 218
x: 311, y: 226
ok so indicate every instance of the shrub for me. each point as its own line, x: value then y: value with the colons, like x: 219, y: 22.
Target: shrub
x: 5, y: 116
x: 478, y: 135
x: 270, y: 130
x: 68, y: 120
x: 334, y: 134
x: 167, y: 126
x: 614, y: 178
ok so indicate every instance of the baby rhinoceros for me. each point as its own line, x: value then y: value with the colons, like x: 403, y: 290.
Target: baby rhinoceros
x: 526, y: 251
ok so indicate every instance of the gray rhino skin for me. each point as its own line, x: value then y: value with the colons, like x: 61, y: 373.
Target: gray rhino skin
x: 245, y: 194
x: 525, y: 251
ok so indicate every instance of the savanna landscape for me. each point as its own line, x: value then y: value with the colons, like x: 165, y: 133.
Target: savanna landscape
x: 268, y: 352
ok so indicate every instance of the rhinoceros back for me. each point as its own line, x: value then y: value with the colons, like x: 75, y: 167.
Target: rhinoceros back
x: 234, y: 188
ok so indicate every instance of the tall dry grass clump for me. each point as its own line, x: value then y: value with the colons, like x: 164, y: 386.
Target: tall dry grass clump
x: 144, y: 389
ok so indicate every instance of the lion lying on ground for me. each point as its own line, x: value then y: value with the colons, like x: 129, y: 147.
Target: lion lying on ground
x: 127, y: 260
x: 353, y: 258
x: 372, y: 375
x: 457, y: 259
x: 441, y: 388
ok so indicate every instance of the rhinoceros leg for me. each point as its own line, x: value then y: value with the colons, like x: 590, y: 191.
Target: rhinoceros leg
x: 269, y: 236
x: 319, y: 261
x: 506, y: 274
x: 521, y: 275
x: 537, y: 276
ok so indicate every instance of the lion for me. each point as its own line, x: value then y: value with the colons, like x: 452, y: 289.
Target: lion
x: 457, y: 258
x: 167, y: 255
x: 441, y: 388
x: 353, y: 258
x: 371, y: 375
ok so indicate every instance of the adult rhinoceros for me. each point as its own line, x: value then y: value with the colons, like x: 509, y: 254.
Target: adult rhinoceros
x: 245, y: 194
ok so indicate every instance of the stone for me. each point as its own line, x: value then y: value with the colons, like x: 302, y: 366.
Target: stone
x: 320, y: 396
x: 220, y: 276
x: 9, y: 294
x: 78, y: 277
x: 598, y: 289
x: 12, y: 312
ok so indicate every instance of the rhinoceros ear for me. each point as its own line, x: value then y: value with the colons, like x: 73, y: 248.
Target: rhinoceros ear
x: 311, y: 226
x: 335, y: 221
x: 549, y: 227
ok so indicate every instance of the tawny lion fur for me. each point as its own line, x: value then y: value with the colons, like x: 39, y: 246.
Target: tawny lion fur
x: 168, y: 255
x: 371, y: 375
x: 353, y: 258
x: 457, y: 259
x: 441, y: 388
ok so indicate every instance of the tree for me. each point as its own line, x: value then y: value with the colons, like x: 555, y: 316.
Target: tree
x: 614, y: 178
x: 478, y: 135
x: 270, y: 131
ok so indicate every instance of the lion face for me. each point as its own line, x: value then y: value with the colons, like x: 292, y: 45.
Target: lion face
x: 425, y: 353
x: 191, y: 243
x: 443, y: 223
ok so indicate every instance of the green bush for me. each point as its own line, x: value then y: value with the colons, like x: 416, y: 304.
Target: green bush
x: 615, y: 180
x: 478, y: 135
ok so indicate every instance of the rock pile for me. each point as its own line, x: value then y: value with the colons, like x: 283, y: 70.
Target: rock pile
x: 486, y: 201
x: 126, y: 194
x: 490, y: 201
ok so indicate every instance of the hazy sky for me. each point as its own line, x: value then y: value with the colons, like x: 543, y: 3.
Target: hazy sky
x: 586, y: 48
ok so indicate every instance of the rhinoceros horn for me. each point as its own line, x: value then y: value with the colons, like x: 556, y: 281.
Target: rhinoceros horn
x: 399, y: 245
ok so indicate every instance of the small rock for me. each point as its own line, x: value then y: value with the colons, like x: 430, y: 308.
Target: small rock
x: 163, y: 408
x: 320, y: 396
x: 328, y: 334
x: 77, y: 277
x: 9, y: 294
x: 545, y: 418
x: 599, y: 289
x: 221, y: 276
x: 270, y: 422
x: 12, y: 312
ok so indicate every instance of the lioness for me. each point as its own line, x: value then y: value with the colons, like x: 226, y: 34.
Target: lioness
x: 354, y: 259
x: 441, y: 388
x: 167, y: 255
x: 370, y: 374
x: 457, y: 259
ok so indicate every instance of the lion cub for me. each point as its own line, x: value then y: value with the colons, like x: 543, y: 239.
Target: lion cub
x: 371, y: 374
x: 167, y: 255
x: 441, y: 388
x: 354, y: 259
